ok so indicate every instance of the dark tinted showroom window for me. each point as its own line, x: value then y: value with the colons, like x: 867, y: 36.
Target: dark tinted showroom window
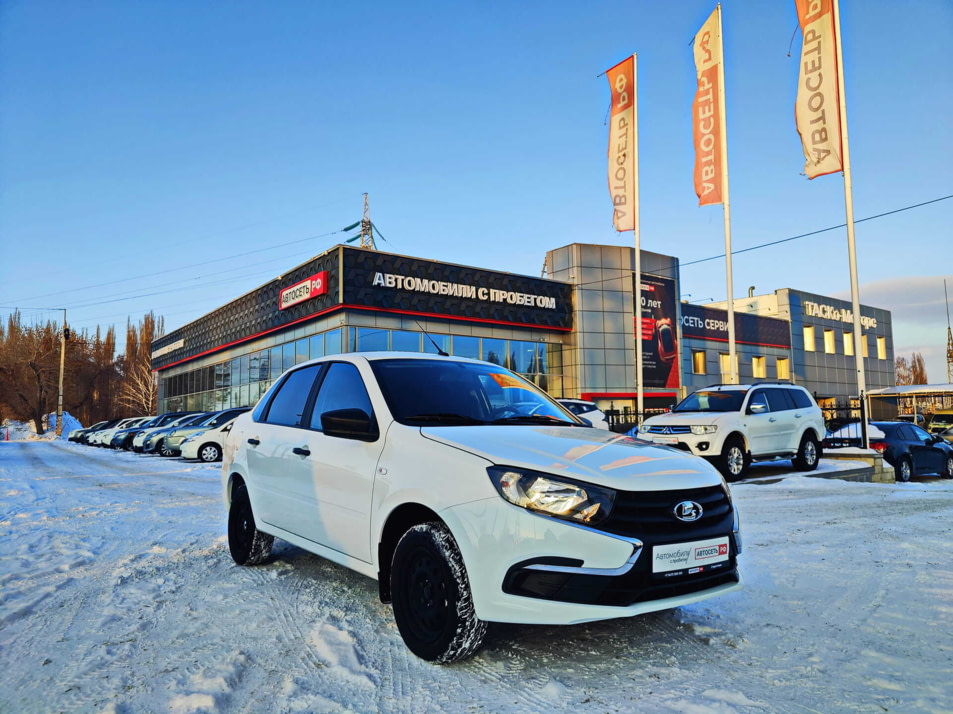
x: 287, y: 406
x: 342, y: 388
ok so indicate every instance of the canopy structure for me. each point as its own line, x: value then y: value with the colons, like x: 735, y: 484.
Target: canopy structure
x: 910, y: 399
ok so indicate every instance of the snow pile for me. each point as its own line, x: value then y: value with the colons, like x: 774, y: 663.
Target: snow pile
x: 17, y: 430
x: 69, y: 423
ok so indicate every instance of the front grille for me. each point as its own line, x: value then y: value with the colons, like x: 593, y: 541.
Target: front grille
x: 669, y: 429
x: 650, y: 515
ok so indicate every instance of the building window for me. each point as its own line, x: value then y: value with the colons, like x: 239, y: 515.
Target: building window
x: 724, y: 366
x: 864, y: 345
x: 758, y: 370
x: 698, y: 362
x: 466, y: 347
x: 783, y: 365
x: 830, y: 347
x: 881, y: 348
x: 848, y: 343
x: 809, y: 338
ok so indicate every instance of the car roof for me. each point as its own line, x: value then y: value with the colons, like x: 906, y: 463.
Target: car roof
x: 390, y: 355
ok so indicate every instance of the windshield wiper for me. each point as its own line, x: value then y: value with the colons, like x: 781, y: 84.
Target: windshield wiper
x: 535, y: 419
x: 445, y: 418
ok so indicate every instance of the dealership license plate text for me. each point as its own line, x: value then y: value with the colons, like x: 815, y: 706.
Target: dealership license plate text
x: 689, y: 555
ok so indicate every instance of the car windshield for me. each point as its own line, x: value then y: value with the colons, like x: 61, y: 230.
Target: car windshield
x: 706, y: 400
x: 423, y: 392
x: 941, y: 421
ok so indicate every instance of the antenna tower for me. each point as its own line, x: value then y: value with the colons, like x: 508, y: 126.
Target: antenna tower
x: 949, y: 338
x: 367, y: 230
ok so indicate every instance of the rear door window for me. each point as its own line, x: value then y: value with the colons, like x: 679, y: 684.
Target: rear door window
x: 288, y: 405
x: 779, y: 399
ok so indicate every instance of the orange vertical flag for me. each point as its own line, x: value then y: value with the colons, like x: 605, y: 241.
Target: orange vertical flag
x: 708, y: 114
x: 817, y: 109
x: 622, y: 177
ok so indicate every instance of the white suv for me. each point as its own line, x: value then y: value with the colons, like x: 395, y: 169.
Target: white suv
x: 471, y: 496
x: 733, y: 424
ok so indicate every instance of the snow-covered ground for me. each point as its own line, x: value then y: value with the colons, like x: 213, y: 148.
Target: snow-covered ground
x: 117, y: 595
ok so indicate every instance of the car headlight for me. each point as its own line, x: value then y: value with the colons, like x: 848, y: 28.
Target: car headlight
x: 698, y: 429
x: 578, y: 502
x: 644, y: 429
x: 188, y: 439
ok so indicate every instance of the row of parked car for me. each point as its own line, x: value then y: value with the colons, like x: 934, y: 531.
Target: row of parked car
x: 191, y: 435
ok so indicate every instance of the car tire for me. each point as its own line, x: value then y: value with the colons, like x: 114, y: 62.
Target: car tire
x: 734, y: 460
x: 808, y: 453
x: 904, y: 469
x: 432, y: 602
x: 949, y: 467
x: 164, y: 450
x: 209, y: 453
x: 247, y: 544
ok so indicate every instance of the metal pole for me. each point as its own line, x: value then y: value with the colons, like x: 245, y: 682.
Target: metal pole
x: 726, y: 205
x: 59, y: 396
x: 636, y: 234
x: 851, y: 245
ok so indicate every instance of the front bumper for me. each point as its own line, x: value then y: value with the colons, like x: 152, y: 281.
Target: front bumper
x: 534, y: 569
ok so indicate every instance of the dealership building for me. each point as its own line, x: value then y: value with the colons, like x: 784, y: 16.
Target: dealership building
x: 572, y: 333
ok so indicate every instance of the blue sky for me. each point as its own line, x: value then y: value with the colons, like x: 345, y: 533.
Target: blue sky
x: 202, y: 148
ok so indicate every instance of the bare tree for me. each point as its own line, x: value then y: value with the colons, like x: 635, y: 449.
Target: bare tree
x: 918, y: 370
x: 139, y: 391
x: 901, y: 370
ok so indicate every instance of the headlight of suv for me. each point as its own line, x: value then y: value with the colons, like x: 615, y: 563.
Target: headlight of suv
x: 698, y: 430
x: 644, y: 429
x: 577, y: 502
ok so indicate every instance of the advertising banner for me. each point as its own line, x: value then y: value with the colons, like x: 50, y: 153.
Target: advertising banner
x: 817, y: 109
x: 659, y: 334
x: 622, y: 175
x: 708, y: 323
x: 422, y: 287
x: 708, y: 114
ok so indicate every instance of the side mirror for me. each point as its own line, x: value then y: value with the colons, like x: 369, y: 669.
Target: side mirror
x: 757, y: 408
x: 588, y: 423
x: 349, y: 424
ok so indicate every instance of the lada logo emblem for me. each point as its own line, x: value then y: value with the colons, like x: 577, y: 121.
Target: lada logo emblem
x: 688, y: 511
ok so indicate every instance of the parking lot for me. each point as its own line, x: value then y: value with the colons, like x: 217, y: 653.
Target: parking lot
x: 119, y: 596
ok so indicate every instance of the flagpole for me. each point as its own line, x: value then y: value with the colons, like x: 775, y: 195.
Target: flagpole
x: 726, y: 205
x: 636, y: 235
x: 851, y: 244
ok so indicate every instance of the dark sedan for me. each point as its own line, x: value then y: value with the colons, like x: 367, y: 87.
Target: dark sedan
x: 910, y: 449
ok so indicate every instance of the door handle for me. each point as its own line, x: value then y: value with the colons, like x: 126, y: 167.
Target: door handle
x: 772, y: 419
x: 797, y: 416
x: 301, y: 451
x: 254, y: 442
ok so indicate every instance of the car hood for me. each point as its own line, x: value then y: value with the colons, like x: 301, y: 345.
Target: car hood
x: 588, y: 454
x: 685, y: 418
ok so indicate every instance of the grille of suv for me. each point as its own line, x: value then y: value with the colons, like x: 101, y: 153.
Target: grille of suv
x: 680, y: 429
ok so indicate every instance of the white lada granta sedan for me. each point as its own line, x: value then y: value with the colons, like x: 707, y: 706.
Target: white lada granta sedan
x: 472, y: 497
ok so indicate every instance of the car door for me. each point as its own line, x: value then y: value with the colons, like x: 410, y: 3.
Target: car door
x: 784, y: 437
x: 927, y: 458
x: 269, y: 445
x: 760, y: 423
x: 333, y: 477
